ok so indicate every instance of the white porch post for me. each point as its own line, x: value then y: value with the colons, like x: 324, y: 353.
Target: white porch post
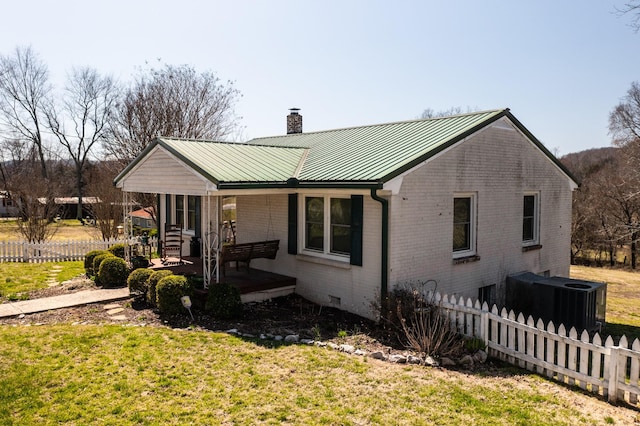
x: 217, y: 218
x: 211, y: 243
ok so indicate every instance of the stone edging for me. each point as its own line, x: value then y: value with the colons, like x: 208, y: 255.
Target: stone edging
x: 467, y: 361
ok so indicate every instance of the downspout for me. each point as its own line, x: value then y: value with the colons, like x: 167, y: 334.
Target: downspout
x: 384, y: 261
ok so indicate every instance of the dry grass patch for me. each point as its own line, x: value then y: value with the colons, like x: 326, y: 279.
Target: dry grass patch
x: 623, y: 298
x: 65, y: 230
x: 135, y: 375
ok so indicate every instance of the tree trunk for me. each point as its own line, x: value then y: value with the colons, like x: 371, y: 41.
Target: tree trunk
x: 634, y: 237
x: 79, y: 189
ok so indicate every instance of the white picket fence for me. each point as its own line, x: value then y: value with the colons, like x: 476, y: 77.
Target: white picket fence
x: 58, y: 251
x: 610, y: 370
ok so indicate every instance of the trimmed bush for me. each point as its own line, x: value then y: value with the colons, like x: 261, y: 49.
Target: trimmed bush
x: 113, y: 272
x: 153, y: 282
x: 223, y: 301
x: 88, y: 261
x: 118, y: 250
x: 97, y: 261
x: 138, y: 281
x: 169, y: 291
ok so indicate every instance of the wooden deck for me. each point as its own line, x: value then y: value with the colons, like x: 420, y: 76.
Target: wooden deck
x: 255, y: 285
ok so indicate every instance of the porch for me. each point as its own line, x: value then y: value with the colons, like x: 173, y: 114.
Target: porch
x: 255, y: 285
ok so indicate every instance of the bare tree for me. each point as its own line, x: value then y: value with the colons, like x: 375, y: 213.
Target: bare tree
x: 431, y: 113
x: 80, y: 121
x: 24, y: 90
x: 26, y: 189
x: 108, y: 211
x: 633, y: 8
x: 172, y: 101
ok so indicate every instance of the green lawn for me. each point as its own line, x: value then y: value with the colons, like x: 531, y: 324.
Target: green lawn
x: 123, y: 375
x: 116, y: 375
x: 17, y: 279
x: 623, y: 298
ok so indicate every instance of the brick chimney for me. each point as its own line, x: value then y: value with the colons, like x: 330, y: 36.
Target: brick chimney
x: 294, y: 121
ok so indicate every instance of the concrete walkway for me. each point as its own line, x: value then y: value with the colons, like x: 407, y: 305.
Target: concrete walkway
x: 85, y: 297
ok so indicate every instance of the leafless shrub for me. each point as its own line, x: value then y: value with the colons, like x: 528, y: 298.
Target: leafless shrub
x: 420, y: 320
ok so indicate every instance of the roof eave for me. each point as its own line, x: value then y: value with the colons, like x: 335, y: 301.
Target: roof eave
x: 295, y: 183
x: 172, y: 151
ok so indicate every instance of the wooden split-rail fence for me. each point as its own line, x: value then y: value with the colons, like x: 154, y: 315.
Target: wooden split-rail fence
x: 606, y: 368
x: 59, y: 251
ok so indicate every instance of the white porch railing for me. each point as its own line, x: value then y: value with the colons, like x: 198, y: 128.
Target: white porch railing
x: 610, y: 370
x: 58, y: 251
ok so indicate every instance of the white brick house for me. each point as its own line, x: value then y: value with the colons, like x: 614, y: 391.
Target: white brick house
x: 463, y: 200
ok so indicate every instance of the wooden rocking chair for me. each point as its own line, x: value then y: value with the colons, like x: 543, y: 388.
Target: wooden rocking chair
x: 172, y: 245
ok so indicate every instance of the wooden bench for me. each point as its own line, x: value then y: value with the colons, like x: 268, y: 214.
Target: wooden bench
x: 246, y: 251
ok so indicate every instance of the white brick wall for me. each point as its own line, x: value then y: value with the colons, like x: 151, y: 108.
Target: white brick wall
x: 498, y: 165
x: 261, y: 217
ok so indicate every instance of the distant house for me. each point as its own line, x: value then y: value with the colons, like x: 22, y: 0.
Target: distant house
x: 464, y: 200
x: 142, y: 218
x: 8, y: 207
x: 68, y: 206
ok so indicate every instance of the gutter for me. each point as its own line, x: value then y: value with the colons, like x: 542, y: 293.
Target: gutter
x: 384, y: 260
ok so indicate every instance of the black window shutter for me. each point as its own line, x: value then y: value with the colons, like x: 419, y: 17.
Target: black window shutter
x: 198, y: 216
x: 167, y: 218
x: 158, y: 215
x: 356, y: 229
x: 292, y: 240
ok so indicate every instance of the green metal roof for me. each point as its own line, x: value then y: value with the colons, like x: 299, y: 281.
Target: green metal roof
x: 378, y: 152
x: 223, y: 162
x: 356, y: 156
x: 236, y: 162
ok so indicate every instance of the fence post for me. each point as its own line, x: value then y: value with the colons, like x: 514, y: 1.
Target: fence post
x: 484, y: 327
x: 614, y: 360
x: 25, y: 251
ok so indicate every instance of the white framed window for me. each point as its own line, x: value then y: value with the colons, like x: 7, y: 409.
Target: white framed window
x: 327, y: 226
x: 464, y: 225
x: 184, y: 211
x: 531, y: 219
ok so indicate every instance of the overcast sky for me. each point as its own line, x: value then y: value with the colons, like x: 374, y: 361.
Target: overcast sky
x: 560, y: 66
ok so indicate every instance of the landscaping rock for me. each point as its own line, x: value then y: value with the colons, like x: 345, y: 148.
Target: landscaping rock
x: 397, y: 358
x: 292, y: 338
x: 413, y: 360
x: 466, y: 361
x: 377, y: 355
x: 360, y: 352
x: 430, y: 361
x: 347, y: 348
x: 480, y: 357
x: 447, y: 362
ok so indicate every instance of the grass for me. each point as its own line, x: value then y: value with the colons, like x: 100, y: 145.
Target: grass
x: 623, y: 298
x: 18, y: 279
x: 108, y: 374
x: 134, y: 375
x: 68, y: 229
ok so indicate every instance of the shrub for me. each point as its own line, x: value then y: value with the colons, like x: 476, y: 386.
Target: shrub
x: 97, y: 261
x: 88, y: 261
x: 113, y: 272
x: 169, y: 290
x: 223, y: 301
x: 118, y: 250
x: 138, y: 281
x: 423, y: 324
x: 153, y: 282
